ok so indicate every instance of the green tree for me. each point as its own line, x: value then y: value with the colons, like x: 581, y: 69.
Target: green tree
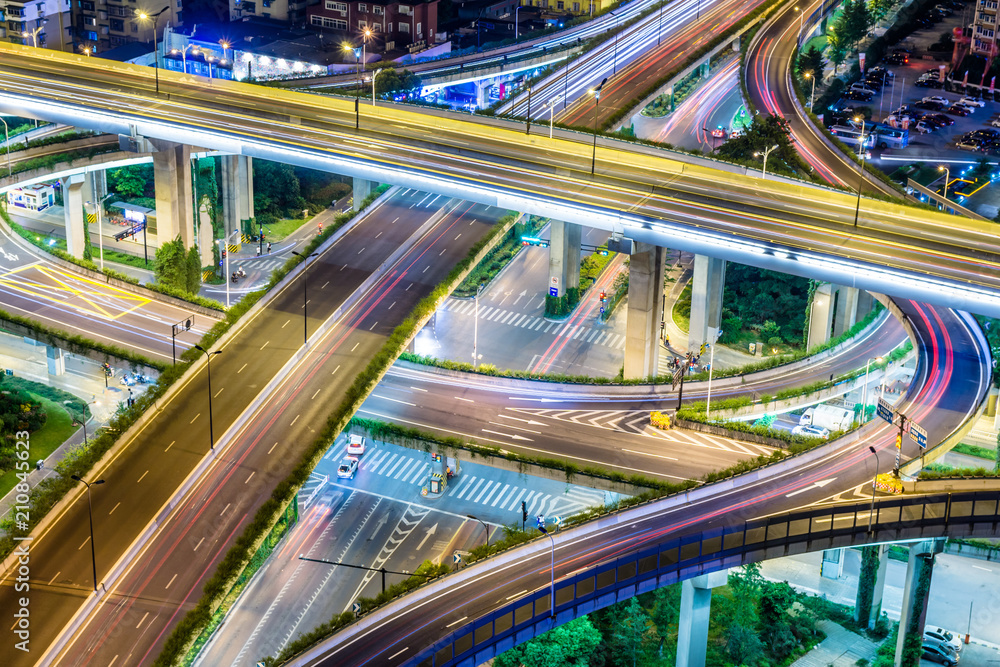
x: 128, y: 182
x: 193, y: 283
x: 763, y: 133
x: 170, y: 265
x: 392, y: 81
x: 775, y: 601
x: 743, y: 646
x: 569, y: 645
x: 836, y: 46
x: 856, y: 21
x: 811, y: 60
x: 631, y: 635
x: 757, y: 296
x: 666, y: 606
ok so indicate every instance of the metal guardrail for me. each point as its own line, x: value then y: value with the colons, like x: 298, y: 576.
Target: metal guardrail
x: 688, y: 556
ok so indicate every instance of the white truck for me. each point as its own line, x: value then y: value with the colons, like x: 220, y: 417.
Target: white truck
x: 827, y: 416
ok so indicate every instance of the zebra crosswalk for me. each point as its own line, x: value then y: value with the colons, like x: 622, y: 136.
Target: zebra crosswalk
x: 593, y: 335
x: 473, y: 488
x: 309, y: 490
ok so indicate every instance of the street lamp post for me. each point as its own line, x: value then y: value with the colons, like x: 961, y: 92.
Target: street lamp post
x: 211, y: 426
x: 374, y: 76
x: 871, y: 513
x: 485, y: 527
x: 475, y: 329
x: 812, y: 95
x: 90, y: 505
x: 100, y: 218
x: 516, y: 23
x: 597, y: 103
x: 799, y: 12
x: 552, y: 585
x: 6, y: 141
x: 711, y: 367
x: 552, y: 112
x: 864, y: 394
x: 183, y: 52
x: 527, y: 127
x: 305, y: 295
x: 364, y: 44
x: 154, y: 18
x: 767, y: 151
x: 34, y: 34
x: 861, y: 183
x: 185, y: 325
x: 947, y: 178
x: 225, y: 47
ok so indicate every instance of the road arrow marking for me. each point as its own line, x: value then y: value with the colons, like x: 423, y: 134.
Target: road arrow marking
x: 529, y: 422
x: 430, y: 531
x: 508, y: 435
x: 816, y: 485
x: 524, y: 293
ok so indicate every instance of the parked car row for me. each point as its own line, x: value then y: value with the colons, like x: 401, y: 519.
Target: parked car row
x: 941, y: 646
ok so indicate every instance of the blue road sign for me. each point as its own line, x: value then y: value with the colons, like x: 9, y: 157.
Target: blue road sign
x: 918, y: 435
x: 884, y: 410
x: 455, y: 558
x: 554, y: 292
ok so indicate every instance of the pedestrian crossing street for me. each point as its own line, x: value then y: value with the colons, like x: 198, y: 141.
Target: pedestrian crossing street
x: 637, y: 421
x: 591, y: 335
x: 472, y: 488
x: 267, y: 264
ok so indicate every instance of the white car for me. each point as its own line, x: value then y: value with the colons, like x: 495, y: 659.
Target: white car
x: 943, y: 636
x: 938, y: 99
x: 995, y: 122
x: 811, y: 431
x: 348, y: 467
x: 970, y: 109
x: 972, y: 102
x: 923, y: 128
x: 356, y: 445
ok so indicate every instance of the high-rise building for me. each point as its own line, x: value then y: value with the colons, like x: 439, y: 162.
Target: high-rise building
x: 984, y: 37
x: 43, y: 23
x: 106, y: 24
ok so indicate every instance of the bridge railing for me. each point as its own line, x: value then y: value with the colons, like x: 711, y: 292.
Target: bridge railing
x: 718, y: 548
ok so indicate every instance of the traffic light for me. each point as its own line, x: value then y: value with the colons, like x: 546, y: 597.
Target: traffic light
x: 535, y: 241
x: 603, y: 252
x: 524, y: 511
x: 604, y: 296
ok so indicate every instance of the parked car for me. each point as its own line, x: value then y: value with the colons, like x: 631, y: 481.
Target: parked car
x: 930, y: 106
x: 898, y: 59
x: 983, y: 134
x: 811, y: 431
x: 945, y: 120
x: 878, y: 70
x: 859, y: 96
x: 932, y: 120
x: 943, y: 636
x: 928, y: 82
x: 938, y: 653
x: 862, y: 88
x: 968, y: 145
x: 995, y: 122
x: 940, y: 99
x: 972, y: 102
x: 942, y: 10
x: 958, y: 110
x: 923, y: 128
x: 970, y: 109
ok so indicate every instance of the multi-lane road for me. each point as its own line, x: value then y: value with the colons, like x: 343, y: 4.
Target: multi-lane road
x: 136, y: 611
x: 797, y: 229
x: 952, y: 379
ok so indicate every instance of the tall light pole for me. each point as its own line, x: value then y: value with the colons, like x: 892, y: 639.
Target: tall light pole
x: 711, y: 367
x: 864, y: 394
x: 947, y: 178
x: 154, y: 18
x: 527, y: 127
x: 305, y: 295
x: 183, y: 52
x: 100, y: 217
x: 552, y: 112
x: 597, y: 103
x: 552, y: 586
x: 34, y: 34
x: 861, y: 183
x: 799, y: 12
x: 871, y: 513
x: 225, y: 47
x: 90, y: 505
x: 211, y: 426
x: 485, y: 527
x: 516, y: 24
x: 812, y: 95
x: 87, y: 50
x: 6, y: 141
x: 475, y: 329
x: 374, y: 76
x: 767, y: 151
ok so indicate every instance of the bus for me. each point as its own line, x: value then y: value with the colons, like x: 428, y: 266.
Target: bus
x: 852, y: 136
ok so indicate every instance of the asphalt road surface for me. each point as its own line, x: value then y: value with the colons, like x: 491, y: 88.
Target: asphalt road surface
x: 952, y: 380
x: 167, y: 579
x: 378, y: 519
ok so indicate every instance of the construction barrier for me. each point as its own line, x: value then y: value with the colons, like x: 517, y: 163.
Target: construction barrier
x: 659, y: 420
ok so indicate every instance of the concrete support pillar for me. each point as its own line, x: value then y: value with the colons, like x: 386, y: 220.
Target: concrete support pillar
x: 913, y: 612
x: 362, y: 188
x: 483, y: 93
x: 865, y: 304
x: 706, y: 301
x: 645, y: 310
x: 692, y: 628
x: 871, y: 584
x: 820, y: 315
x: 73, y: 214
x: 56, y: 359
x: 174, y: 204
x: 847, y: 310
x: 237, y: 191
x: 564, y: 257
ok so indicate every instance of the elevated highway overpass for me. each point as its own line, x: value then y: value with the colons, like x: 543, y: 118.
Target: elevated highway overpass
x: 647, y: 194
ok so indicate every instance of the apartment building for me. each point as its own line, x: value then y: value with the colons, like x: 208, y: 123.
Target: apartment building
x: 290, y: 11
x: 393, y: 24
x: 105, y: 24
x: 984, y: 35
x: 42, y: 23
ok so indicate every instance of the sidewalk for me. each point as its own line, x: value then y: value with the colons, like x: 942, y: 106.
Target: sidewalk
x: 841, y: 648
